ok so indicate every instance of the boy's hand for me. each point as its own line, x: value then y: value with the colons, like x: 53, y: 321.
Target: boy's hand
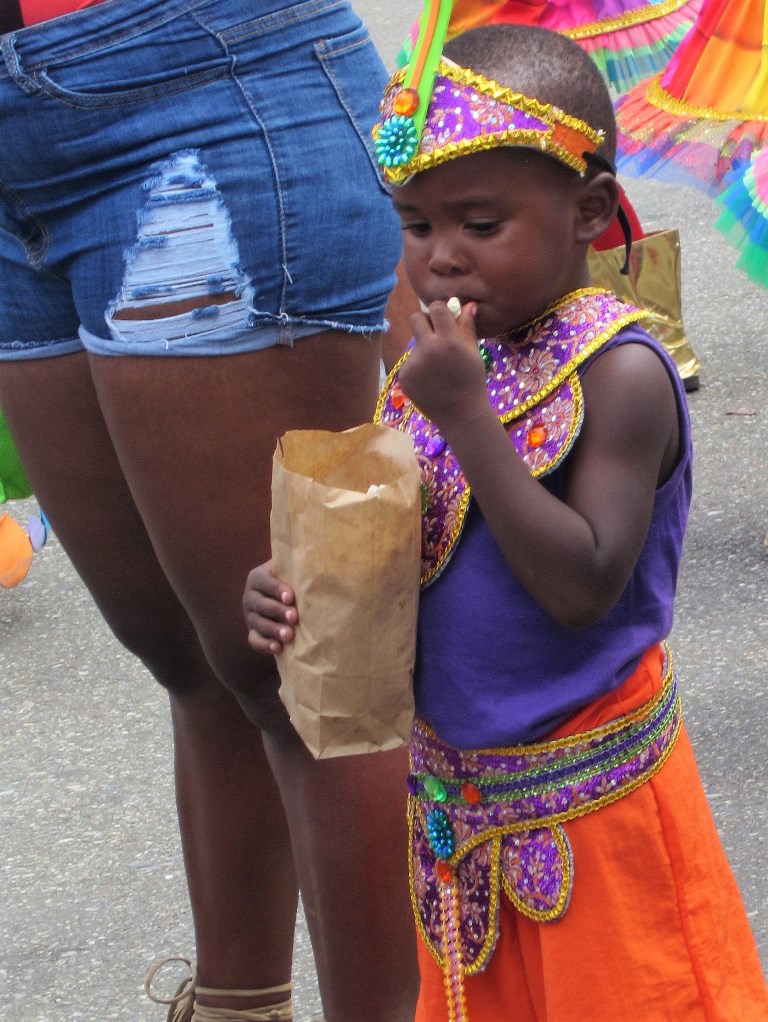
x: 270, y: 614
x: 444, y: 375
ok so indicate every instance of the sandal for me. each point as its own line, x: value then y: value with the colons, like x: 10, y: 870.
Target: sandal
x: 184, y: 1006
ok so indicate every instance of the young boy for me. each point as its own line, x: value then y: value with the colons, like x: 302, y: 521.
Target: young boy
x: 565, y: 865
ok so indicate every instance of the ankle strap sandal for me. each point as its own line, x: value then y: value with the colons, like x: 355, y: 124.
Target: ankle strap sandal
x: 185, y: 1008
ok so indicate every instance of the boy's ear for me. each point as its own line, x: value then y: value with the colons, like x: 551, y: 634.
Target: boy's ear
x: 598, y: 203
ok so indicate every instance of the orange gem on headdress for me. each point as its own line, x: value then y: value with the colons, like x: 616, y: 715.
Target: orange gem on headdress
x: 536, y: 436
x: 406, y: 102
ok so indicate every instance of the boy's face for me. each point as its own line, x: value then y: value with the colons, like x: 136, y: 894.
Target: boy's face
x: 496, y: 228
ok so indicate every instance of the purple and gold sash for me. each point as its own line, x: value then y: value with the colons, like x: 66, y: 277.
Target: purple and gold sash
x: 486, y: 821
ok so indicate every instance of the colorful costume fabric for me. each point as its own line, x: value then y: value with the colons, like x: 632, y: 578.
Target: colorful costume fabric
x: 704, y: 122
x: 14, y: 484
x: 744, y: 220
x: 707, y: 114
x: 533, y: 384
x: 521, y: 672
x: 532, y: 865
x: 489, y: 820
x: 17, y: 545
x: 654, y: 926
x: 629, y: 40
x: 462, y: 113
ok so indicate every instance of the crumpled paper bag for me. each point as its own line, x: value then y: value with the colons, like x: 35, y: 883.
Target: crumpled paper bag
x: 346, y: 536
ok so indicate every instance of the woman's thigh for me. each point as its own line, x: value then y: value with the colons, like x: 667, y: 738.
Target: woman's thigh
x: 196, y: 438
x: 53, y: 411
x: 157, y: 481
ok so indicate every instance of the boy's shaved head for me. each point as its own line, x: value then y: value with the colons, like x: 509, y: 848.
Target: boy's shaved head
x: 543, y: 65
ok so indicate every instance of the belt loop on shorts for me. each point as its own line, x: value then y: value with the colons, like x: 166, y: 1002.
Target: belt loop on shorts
x: 24, y: 82
x: 285, y: 332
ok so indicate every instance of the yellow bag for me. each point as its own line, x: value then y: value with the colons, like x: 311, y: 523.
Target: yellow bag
x: 653, y: 283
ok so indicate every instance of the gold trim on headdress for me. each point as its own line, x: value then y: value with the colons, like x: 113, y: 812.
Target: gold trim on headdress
x: 470, y: 113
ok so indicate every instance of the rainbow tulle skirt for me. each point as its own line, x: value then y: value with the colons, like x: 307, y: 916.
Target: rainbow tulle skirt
x: 629, y: 40
x: 744, y: 217
x: 701, y: 121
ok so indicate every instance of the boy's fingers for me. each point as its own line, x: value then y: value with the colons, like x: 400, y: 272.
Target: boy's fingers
x: 269, y: 617
x: 441, y: 319
x: 467, y: 315
x: 262, y: 579
x: 290, y: 614
x: 270, y: 614
x: 269, y: 629
x: 441, y: 316
x: 263, y: 645
x: 420, y: 326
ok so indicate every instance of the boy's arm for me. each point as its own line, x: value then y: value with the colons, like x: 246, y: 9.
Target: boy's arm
x: 574, y: 557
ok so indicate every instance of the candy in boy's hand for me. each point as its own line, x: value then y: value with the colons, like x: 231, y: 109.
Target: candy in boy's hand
x: 454, y: 307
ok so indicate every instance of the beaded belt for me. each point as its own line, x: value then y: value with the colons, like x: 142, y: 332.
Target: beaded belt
x: 485, y: 820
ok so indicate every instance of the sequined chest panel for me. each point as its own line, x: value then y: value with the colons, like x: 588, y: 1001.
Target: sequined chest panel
x: 533, y: 386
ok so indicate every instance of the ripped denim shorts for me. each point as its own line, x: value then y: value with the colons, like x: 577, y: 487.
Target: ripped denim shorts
x: 190, y: 177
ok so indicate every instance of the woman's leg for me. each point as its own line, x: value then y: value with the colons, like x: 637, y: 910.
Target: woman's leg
x: 224, y: 415
x: 237, y: 852
x: 196, y: 438
x: 403, y: 302
x: 347, y: 820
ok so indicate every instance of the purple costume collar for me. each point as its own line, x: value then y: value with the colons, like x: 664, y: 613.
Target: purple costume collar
x: 534, y: 388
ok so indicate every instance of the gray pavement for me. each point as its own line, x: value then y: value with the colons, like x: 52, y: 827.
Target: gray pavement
x: 91, y: 877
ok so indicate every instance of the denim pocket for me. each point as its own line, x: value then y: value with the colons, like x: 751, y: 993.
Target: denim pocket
x: 350, y: 63
x: 138, y: 68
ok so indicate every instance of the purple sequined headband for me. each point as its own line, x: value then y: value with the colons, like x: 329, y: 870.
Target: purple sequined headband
x: 469, y: 113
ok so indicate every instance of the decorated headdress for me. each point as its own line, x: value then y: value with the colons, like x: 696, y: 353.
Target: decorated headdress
x: 433, y: 110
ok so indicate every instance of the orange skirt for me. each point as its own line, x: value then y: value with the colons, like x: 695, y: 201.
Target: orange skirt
x: 655, y: 928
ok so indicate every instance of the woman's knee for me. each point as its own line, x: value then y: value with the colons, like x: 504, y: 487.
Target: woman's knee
x: 185, y: 657
x: 167, y: 646
x: 254, y: 681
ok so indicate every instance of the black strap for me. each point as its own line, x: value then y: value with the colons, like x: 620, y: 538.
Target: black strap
x: 626, y: 227
x: 10, y: 16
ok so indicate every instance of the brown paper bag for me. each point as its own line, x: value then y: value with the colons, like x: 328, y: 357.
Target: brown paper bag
x: 346, y: 535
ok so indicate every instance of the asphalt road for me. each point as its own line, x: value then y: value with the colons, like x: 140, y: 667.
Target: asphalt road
x: 91, y: 877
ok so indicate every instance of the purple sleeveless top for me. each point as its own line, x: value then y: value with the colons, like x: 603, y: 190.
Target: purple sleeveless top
x: 493, y: 669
